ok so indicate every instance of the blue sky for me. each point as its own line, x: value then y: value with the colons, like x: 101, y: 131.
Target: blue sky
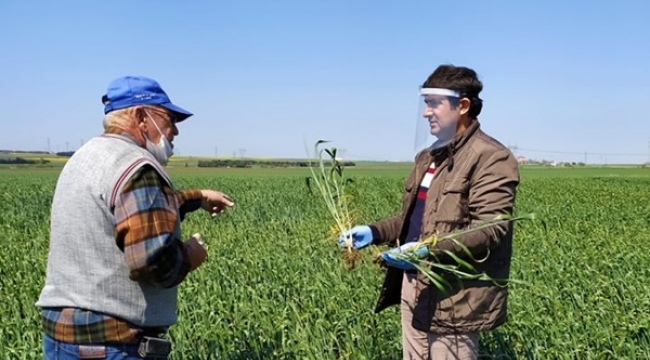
x: 561, y: 78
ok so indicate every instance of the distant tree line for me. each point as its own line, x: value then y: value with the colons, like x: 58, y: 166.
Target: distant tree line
x: 65, y: 153
x: 23, y: 152
x: 248, y: 163
x: 60, y: 153
x: 23, y: 161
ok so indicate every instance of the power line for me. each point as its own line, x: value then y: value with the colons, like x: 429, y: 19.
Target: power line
x: 580, y: 152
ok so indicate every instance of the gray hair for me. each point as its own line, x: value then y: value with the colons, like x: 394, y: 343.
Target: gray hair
x: 122, y: 118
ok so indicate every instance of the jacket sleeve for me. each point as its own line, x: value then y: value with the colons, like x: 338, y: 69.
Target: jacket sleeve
x: 386, y: 231
x: 492, y: 193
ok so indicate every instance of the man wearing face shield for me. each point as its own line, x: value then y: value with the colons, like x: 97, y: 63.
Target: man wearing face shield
x: 461, y: 177
x: 116, y: 256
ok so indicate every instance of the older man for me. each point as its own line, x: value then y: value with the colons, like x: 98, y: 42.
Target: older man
x: 116, y: 254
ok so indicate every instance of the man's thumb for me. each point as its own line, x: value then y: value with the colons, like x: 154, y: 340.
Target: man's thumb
x: 197, y: 236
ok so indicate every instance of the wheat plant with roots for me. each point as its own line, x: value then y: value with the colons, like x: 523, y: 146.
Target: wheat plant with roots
x: 327, y: 176
x: 460, y: 267
x: 328, y: 179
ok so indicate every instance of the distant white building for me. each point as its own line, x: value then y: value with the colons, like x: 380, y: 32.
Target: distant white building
x: 522, y: 159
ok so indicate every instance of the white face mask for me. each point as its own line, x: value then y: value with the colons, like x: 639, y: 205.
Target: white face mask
x: 161, y: 151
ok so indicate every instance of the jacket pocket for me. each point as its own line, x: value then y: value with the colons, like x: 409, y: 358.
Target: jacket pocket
x: 453, y: 207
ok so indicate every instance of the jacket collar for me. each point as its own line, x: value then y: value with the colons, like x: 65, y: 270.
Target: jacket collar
x: 446, y: 153
x: 458, y: 141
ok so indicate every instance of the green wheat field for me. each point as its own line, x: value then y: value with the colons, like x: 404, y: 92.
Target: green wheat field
x: 275, y: 287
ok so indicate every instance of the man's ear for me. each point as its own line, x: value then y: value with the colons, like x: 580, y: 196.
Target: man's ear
x: 140, y: 116
x: 463, y: 106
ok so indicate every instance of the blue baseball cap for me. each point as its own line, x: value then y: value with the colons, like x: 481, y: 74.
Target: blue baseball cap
x: 130, y: 91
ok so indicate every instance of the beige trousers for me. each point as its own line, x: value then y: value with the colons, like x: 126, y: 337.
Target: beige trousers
x: 420, y: 345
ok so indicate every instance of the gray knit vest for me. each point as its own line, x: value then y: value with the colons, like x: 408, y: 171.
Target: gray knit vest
x: 85, y: 268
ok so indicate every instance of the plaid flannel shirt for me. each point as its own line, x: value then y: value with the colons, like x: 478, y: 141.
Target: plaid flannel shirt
x: 146, y: 217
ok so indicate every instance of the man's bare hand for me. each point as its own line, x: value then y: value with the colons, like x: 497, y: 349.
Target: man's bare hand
x: 215, y: 202
x: 195, y: 251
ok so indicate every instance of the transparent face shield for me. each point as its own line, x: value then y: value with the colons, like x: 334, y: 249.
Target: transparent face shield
x: 437, y: 118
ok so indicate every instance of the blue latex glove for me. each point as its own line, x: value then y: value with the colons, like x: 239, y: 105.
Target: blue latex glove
x: 394, y: 257
x: 361, y: 237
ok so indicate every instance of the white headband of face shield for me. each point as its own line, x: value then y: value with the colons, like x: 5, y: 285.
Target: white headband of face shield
x: 439, y: 91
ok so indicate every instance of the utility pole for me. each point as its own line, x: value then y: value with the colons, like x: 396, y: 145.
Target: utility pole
x: 49, y: 150
x: 585, y: 158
